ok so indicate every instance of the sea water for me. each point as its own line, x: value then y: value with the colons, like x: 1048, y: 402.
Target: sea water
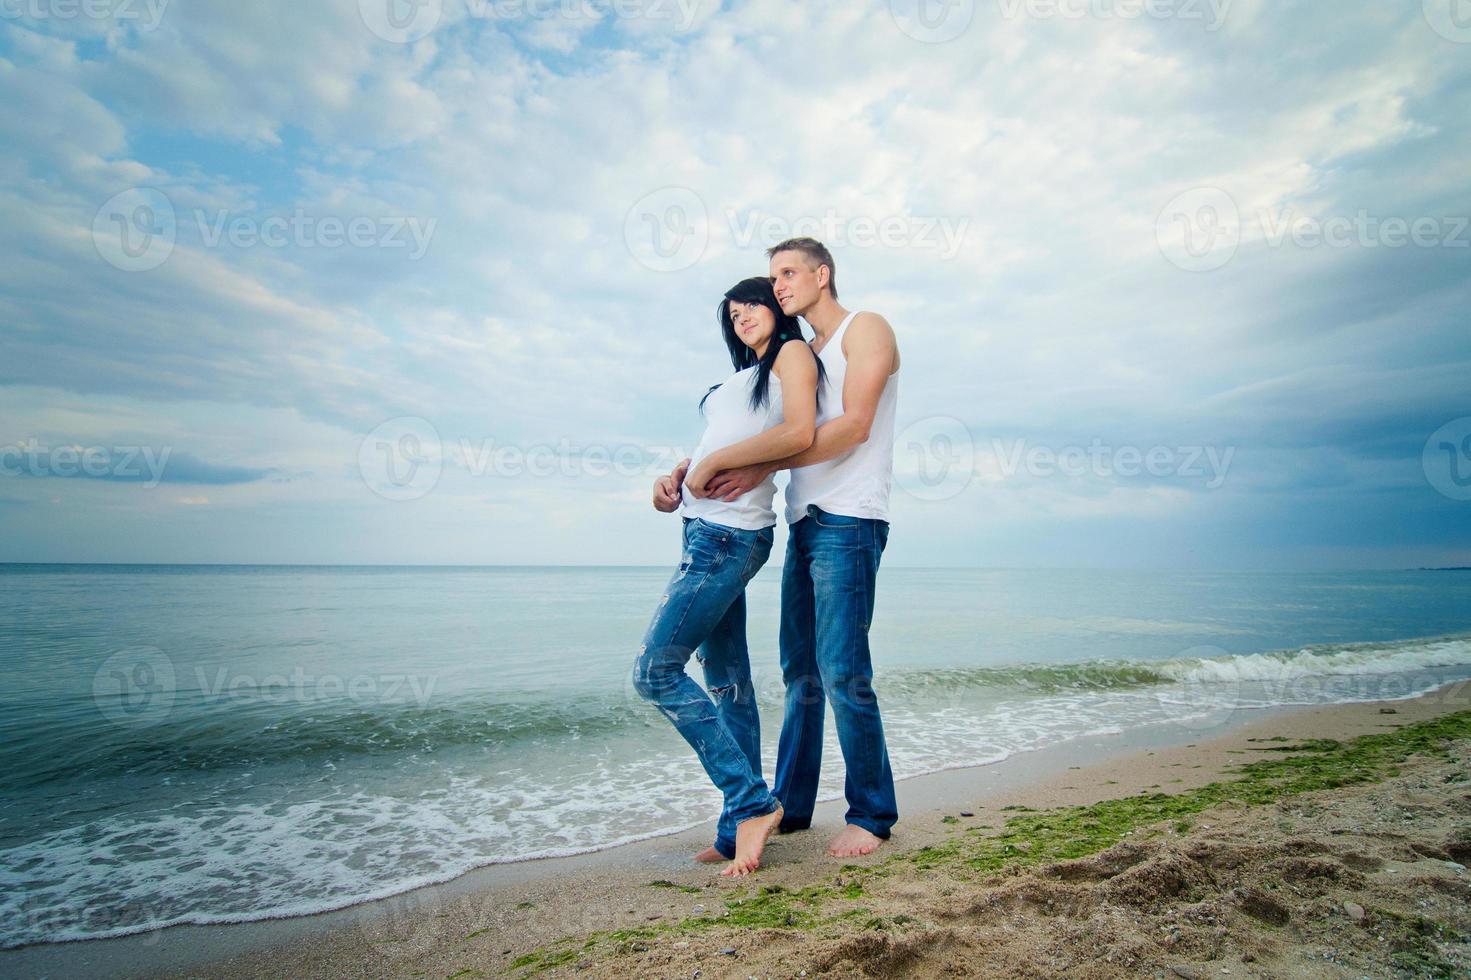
x: 223, y: 743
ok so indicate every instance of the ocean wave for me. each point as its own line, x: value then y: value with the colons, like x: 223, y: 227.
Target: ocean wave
x: 196, y: 736
x: 1095, y: 675
x: 1108, y: 675
x: 1323, y: 660
x: 255, y: 734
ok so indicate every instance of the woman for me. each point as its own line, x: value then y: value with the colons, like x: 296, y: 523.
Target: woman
x: 767, y: 410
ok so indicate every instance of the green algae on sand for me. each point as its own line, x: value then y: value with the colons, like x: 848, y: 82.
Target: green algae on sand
x: 1032, y: 837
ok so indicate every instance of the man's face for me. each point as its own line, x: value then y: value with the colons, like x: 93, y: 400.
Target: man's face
x: 795, y: 282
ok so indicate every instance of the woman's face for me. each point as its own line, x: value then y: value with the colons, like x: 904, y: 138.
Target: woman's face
x: 753, y: 323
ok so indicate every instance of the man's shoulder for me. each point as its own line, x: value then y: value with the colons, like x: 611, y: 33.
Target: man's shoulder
x: 868, y: 318
x: 870, y: 328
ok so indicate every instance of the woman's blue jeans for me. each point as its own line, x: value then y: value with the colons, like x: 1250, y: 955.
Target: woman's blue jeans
x: 704, y: 609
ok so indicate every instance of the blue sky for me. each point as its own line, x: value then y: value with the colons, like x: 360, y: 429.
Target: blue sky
x: 1178, y: 285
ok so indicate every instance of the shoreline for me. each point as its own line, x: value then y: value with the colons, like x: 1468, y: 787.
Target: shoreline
x: 498, y: 912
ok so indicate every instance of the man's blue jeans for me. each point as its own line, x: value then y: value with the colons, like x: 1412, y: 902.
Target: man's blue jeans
x: 704, y: 607
x: 827, y: 590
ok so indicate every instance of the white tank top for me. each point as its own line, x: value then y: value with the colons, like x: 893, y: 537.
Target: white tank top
x: 729, y: 420
x: 857, y: 483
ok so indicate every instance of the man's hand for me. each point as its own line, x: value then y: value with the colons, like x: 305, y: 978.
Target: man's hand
x: 696, y: 482
x: 727, y: 485
x: 666, y: 489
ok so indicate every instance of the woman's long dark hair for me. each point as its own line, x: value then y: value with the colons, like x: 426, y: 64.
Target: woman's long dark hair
x: 758, y: 290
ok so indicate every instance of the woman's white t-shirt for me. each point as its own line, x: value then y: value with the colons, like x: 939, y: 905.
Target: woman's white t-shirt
x: 729, y: 420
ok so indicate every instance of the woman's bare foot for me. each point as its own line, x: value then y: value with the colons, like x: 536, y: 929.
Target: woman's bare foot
x: 710, y: 856
x: 852, y: 842
x: 751, y: 836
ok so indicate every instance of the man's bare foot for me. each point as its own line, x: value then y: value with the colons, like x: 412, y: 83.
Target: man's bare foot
x: 853, y: 842
x: 751, y: 836
x: 710, y: 856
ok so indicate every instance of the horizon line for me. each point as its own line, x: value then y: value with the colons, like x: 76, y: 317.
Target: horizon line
x: 998, y: 568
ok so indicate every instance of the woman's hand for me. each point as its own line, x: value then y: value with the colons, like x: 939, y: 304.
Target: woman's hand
x: 666, y: 489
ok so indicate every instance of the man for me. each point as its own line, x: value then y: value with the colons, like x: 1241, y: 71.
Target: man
x: 837, y: 510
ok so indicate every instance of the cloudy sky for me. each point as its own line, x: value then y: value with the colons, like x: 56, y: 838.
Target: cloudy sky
x: 1177, y: 284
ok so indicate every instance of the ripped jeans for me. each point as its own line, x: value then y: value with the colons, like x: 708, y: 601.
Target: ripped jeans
x: 704, y: 607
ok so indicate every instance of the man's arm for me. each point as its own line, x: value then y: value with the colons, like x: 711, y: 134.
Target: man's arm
x: 796, y: 369
x: 872, y: 352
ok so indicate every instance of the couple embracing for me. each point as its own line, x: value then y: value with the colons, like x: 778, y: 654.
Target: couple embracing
x: 824, y: 411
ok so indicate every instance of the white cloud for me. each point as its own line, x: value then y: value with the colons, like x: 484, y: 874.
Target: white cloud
x: 1055, y: 145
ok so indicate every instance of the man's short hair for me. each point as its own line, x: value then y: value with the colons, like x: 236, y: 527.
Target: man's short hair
x: 816, y: 253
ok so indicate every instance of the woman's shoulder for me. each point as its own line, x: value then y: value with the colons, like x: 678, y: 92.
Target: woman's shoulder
x: 793, y: 353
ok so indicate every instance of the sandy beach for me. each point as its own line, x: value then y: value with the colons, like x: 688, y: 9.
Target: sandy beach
x: 994, y: 871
